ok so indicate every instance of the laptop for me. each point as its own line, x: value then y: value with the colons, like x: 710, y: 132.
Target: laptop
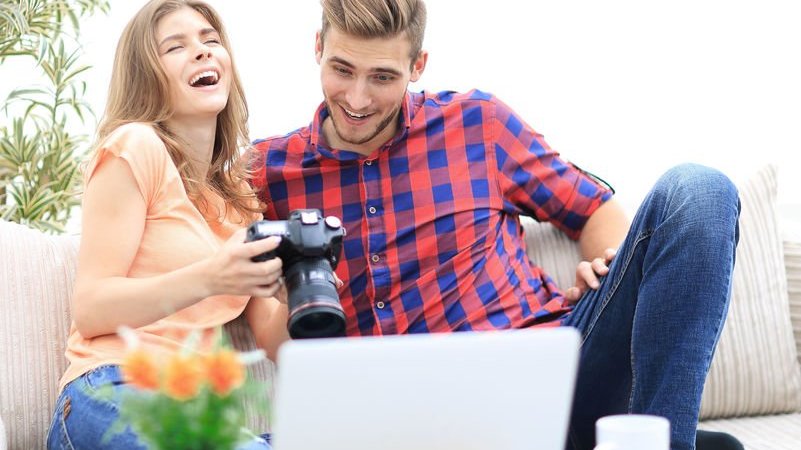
x: 498, y: 390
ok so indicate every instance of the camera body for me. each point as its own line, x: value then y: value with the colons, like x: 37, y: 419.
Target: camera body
x: 310, y: 249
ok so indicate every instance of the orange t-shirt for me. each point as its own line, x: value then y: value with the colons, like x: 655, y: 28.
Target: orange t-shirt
x: 175, y: 235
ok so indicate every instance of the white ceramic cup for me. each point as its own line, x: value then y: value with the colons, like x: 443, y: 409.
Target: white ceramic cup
x: 632, y: 432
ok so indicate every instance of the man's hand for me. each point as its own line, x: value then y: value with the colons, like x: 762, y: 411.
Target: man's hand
x: 587, y: 274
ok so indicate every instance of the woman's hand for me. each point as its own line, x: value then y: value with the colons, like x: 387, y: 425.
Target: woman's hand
x: 233, y: 271
x: 587, y: 275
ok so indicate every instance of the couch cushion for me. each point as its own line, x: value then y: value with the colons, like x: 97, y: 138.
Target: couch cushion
x: 777, y: 432
x: 552, y: 250
x: 37, y: 273
x: 755, y: 370
x: 792, y: 262
x: 264, y: 372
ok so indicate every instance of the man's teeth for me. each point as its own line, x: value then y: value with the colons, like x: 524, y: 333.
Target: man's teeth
x: 209, y: 73
x: 354, y: 115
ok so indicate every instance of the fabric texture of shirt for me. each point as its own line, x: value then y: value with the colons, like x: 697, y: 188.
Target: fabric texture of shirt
x: 433, y: 238
x: 175, y: 235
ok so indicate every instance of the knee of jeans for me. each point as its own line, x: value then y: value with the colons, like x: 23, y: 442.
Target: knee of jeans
x: 700, y: 190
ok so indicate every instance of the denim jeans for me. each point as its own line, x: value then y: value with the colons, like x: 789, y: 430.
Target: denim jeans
x: 81, y: 419
x: 650, y: 330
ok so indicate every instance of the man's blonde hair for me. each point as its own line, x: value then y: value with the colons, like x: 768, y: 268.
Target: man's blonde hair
x: 139, y: 90
x: 377, y: 19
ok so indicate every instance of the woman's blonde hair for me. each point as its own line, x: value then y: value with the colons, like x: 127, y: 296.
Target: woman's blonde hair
x: 137, y: 93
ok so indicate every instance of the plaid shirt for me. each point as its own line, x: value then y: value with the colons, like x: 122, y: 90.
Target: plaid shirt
x: 433, y: 238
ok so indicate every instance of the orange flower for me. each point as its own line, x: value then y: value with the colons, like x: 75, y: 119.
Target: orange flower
x: 140, y: 370
x: 225, y: 371
x: 183, y: 377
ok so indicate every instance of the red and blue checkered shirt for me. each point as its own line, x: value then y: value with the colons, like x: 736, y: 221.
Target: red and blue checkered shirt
x: 433, y: 238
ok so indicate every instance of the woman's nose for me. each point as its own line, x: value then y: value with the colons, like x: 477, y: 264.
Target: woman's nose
x: 203, y: 52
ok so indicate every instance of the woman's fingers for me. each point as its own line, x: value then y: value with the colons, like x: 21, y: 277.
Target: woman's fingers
x: 256, y: 248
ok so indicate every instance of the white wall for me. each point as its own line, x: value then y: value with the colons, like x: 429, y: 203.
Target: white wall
x: 624, y: 88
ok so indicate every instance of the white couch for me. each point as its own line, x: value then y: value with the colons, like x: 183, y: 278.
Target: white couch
x: 753, y: 390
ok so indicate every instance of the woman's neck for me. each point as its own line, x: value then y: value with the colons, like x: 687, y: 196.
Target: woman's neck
x: 199, y: 136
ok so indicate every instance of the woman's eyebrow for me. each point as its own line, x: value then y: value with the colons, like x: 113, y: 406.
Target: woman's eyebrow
x: 179, y: 36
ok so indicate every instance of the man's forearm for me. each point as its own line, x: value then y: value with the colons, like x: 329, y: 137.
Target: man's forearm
x: 267, y: 318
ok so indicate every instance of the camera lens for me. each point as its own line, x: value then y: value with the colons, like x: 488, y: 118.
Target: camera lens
x: 314, y: 309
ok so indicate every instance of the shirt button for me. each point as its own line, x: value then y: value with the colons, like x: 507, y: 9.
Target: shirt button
x: 375, y: 258
x: 379, y: 305
x: 372, y: 210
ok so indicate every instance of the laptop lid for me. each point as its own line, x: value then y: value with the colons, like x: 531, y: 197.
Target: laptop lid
x: 500, y: 390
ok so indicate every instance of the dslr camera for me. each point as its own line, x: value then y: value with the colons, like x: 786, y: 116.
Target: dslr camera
x: 310, y: 249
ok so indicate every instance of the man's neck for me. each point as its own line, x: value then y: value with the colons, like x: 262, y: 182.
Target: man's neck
x: 329, y: 133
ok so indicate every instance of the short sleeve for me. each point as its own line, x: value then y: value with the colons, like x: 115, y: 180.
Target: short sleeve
x: 139, y: 146
x: 534, y: 180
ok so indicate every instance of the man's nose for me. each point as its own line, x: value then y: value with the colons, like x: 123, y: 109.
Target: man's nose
x: 358, y: 96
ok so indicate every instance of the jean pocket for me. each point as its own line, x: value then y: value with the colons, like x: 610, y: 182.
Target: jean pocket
x: 101, y: 386
x: 102, y: 376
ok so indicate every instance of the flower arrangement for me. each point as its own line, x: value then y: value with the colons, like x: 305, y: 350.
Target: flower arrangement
x: 188, y: 400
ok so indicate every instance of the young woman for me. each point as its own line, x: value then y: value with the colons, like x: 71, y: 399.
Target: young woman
x: 164, y: 211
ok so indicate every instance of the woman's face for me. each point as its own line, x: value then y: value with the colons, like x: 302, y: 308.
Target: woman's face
x: 197, y: 65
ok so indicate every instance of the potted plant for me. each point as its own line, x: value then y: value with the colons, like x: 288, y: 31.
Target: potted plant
x: 39, y: 154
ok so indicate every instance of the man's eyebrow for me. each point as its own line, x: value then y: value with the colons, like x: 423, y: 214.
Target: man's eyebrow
x: 179, y: 36
x: 338, y: 60
x: 389, y: 70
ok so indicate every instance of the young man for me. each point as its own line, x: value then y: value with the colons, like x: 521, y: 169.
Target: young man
x: 430, y: 188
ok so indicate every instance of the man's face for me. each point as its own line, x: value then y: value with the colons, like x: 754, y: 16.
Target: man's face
x: 364, y: 83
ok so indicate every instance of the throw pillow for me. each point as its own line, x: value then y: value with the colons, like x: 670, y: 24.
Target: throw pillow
x: 792, y: 260
x: 754, y: 370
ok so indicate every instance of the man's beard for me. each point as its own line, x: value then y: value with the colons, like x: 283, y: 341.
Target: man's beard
x: 378, y: 129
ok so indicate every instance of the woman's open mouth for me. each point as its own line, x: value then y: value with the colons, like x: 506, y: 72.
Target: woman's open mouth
x: 206, y: 78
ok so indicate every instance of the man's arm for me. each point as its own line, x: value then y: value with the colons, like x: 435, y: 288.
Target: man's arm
x: 606, y: 228
x: 267, y: 318
x: 601, y: 236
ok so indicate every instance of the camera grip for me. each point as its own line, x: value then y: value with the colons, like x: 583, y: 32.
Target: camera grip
x: 262, y: 229
x: 266, y: 256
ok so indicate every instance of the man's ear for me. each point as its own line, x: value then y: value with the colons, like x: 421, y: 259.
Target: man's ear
x: 419, y: 65
x: 318, y: 47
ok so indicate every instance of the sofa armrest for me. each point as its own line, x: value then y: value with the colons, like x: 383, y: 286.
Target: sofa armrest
x: 791, y: 235
x: 37, y: 272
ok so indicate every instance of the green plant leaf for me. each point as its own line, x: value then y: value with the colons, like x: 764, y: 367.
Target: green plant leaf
x: 23, y: 92
x: 39, y: 157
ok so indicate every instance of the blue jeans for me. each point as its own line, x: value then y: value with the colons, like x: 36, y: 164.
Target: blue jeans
x: 81, y: 419
x: 650, y: 330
